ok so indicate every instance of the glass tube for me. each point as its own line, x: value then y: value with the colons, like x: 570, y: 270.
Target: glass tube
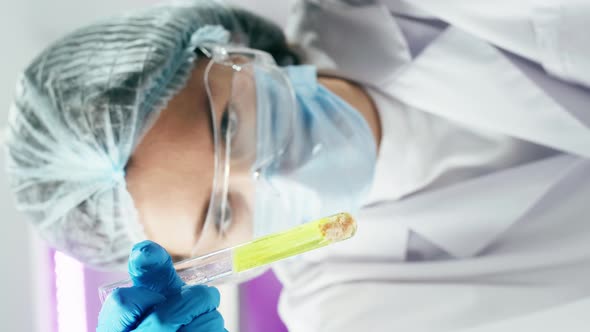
x: 259, y: 252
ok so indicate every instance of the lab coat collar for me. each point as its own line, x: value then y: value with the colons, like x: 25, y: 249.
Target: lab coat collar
x: 466, y: 80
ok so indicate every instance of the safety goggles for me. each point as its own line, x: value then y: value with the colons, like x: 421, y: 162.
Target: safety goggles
x: 257, y: 104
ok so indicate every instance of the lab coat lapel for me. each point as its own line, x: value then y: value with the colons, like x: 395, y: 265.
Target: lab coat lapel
x: 504, y: 23
x: 466, y: 80
x: 465, y: 218
x: 470, y: 82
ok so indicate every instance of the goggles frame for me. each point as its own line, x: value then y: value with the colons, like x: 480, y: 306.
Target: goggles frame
x: 224, y: 55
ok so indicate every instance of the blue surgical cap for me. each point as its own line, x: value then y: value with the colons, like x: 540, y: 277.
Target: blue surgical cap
x: 81, y: 108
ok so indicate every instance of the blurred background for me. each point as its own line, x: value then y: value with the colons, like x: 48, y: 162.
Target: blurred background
x: 43, y: 290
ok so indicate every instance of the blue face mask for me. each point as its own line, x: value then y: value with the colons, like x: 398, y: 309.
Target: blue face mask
x: 326, y: 165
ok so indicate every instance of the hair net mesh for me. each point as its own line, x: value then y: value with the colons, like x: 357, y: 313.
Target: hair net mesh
x: 80, y: 109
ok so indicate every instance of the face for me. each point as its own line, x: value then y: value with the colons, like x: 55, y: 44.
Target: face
x: 170, y: 174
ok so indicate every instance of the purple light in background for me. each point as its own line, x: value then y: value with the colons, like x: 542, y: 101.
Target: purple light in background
x: 71, y: 301
x: 50, y: 282
x: 259, y: 298
x: 92, y: 280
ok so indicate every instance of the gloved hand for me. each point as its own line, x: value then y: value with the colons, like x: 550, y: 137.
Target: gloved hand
x: 159, y: 301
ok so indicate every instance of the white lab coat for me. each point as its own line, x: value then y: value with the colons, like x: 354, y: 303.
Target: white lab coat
x: 516, y: 239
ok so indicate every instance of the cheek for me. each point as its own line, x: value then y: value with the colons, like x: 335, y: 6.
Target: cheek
x: 242, y: 200
x: 171, y: 171
x: 170, y: 183
x: 167, y: 208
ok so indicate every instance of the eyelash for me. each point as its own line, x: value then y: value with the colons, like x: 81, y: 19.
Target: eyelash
x: 223, y: 226
x: 228, y: 122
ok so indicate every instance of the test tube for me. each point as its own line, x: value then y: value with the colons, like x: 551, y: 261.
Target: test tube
x: 257, y: 253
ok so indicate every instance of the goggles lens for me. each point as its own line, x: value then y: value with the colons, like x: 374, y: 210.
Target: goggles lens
x: 252, y: 105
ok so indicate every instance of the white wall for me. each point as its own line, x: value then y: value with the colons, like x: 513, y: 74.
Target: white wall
x: 15, y: 279
x: 17, y: 307
x: 26, y: 27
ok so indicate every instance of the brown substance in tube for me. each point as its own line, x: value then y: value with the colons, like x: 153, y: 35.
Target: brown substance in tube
x: 339, y: 227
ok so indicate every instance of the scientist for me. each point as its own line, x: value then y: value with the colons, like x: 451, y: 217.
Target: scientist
x: 456, y: 132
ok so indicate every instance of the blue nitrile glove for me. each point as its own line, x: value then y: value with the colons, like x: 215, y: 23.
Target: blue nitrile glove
x: 159, y: 301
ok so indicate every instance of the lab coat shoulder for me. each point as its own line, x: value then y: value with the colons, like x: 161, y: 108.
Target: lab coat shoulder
x: 357, y: 40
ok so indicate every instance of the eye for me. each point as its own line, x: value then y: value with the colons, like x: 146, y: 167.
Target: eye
x: 223, y: 218
x: 228, y: 124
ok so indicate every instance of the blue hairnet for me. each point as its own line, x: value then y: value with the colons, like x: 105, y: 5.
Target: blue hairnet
x: 80, y: 110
